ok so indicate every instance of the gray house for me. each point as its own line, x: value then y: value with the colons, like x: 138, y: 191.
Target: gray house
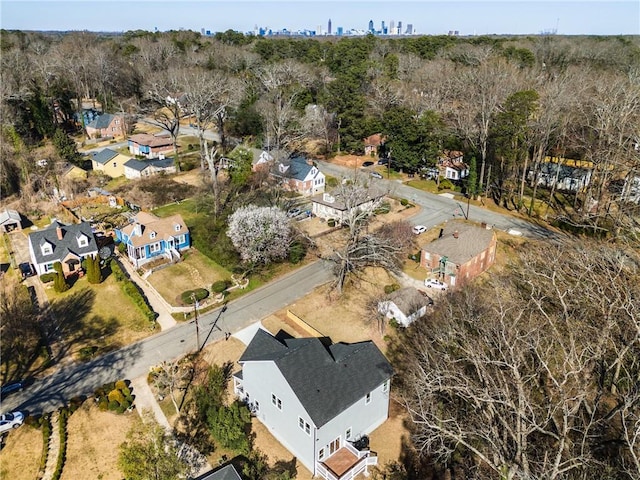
x: 228, y: 472
x: 67, y: 244
x: 317, y: 398
x: 10, y: 220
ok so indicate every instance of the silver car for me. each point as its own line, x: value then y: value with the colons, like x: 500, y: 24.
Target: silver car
x: 11, y: 420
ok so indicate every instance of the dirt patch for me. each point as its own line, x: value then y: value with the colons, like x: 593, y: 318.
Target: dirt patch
x: 21, y: 454
x: 93, y: 441
x: 352, y: 161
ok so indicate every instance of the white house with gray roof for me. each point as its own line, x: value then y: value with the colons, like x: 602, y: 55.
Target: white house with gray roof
x: 67, y: 244
x: 147, y: 168
x: 317, y: 398
x: 300, y: 175
x: 405, y: 305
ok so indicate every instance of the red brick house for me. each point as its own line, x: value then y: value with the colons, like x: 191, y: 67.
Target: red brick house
x: 106, y: 125
x: 462, y: 252
x: 150, y: 146
x: 372, y: 143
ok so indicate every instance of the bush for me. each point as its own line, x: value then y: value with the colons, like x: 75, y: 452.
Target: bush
x: 331, y: 222
x: 191, y: 296
x: 122, y: 247
x: 116, y: 396
x: 113, y: 406
x: 48, y: 277
x: 75, y: 403
x: 385, y: 207
x: 87, y: 353
x: 388, y: 289
x: 297, y: 252
x: 394, y: 323
x: 131, y: 290
x: 445, y: 184
x: 220, y: 286
x: 404, y: 202
x: 103, y: 405
x: 120, y: 385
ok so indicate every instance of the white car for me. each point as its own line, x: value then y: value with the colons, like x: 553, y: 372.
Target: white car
x: 418, y: 229
x: 11, y: 420
x: 433, y: 283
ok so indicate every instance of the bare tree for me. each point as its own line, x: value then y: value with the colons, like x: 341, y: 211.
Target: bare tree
x: 170, y: 377
x: 164, y: 91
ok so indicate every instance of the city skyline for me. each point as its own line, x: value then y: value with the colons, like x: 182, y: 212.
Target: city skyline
x: 470, y: 17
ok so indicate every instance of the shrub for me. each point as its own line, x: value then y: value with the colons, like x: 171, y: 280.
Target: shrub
x: 113, y: 406
x: 48, y: 277
x: 385, y: 207
x: 75, y: 403
x: 120, y: 385
x: 404, y: 202
x: 116, y: 396
x: 191, y: 296
x: 122, y: 247
x: 220, y: 286
x: 297, y: 252
x: 391, y: 288
x: 131, y: 290
x: 394, y: 323
x: 445, y: 184
x: 126, y: 392
x: 87, y: 353
x: 331, y: 222
x: 103, y: 405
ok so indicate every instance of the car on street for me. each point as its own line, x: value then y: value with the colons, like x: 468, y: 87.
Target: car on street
x: 376, y: 175
x: 367, y: 164
x: 293, y: 212
x: 383, y: 161
x: 11, y: 420
x: 11, y: 387
x: 434, y: 283
x: 418, y: 229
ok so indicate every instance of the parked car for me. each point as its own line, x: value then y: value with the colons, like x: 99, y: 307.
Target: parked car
x: 376, y: 175
x: 418, y: 229
x: 367, y: 164
x: 383, y: 161
x: 437, y: 284
x: 26, y: 269
x: 293, y: 212
x: 11, y: 387
x: 11, y: 420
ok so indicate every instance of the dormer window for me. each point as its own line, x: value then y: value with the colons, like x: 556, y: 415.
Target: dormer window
x: 178, y: 227
x: 83, y: 241
x: 47, y: 249
x: 152, y: 235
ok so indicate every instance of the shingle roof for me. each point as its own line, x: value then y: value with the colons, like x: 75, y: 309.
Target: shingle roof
x: 326, y: 380
x: 408, y: 300
x: 335, y: 199
x: 163, y: 228
x: 68, y: 244
x: 103, y: 156
x: 101, y: 121
x: 150, y: 140
x: 7, y: 215
x: 470, y: 242
x: 298, y: 168
x: 227, y: 472
x: 140, y: 165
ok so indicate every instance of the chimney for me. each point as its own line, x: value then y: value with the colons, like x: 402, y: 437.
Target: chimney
x: 484, y: 225
x: 59, y: 232
x: 455, y: 234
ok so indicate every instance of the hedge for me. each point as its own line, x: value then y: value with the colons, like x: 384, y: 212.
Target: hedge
x: 131, y: 290
x: 62, y: 453
x: 220, y: 286
x: 48, y: 277
x: 391, y: 288
x: 199, y: 294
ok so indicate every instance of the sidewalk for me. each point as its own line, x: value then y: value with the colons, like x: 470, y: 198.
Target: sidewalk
x: 158, y: 304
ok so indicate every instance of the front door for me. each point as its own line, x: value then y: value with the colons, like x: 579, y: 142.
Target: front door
x: 334, y: 446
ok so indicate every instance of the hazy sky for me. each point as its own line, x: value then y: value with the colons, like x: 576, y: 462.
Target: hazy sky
x: 599, y: 17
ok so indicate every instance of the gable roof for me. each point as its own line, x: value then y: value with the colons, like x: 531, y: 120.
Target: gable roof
x: 103, y: 156
x: 470, y: 242
x: 228, y: 472
x: 101, y: 121
x: 65, y: 246
x: 298, y: 169
x: 374, y: 140
x: 325, y: 379
x: 140, y: 165
x: 143, y: 223
x: 149, y: 140
x: 9, y: 215
x: 408, y: 300
x: 335, y: 199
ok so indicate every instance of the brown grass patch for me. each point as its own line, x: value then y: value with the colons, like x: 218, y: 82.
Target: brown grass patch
x: 93, y: 441
x: 387, y: 439
x: 21, y: 454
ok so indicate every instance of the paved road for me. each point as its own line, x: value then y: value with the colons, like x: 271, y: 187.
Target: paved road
x: 135, y: 360
x: 437, y: 209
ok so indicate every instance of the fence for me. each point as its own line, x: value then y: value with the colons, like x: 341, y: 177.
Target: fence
x: 302, y: 324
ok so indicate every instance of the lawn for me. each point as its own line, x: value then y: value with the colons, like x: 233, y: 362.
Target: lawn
x: 189, y: 209
x: 21, y: 454
x: 194, y: 271
x: 100, y: 316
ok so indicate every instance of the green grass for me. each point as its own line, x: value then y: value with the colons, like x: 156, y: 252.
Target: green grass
x: 425, y: 185
x: 187, y: 208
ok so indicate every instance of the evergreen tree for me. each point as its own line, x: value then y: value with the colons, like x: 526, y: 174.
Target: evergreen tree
x: 60, y: 282
x: 94, y: 275
x: 472, y: 179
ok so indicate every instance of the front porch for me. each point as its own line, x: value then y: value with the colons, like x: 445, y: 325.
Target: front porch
x: 346, y: 463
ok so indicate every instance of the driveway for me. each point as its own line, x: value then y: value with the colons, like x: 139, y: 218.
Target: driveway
x: 20, y: 247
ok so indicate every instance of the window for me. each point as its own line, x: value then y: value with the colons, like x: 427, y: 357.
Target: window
x: 276, y: 401
x: 48, y: 267
x: 367, y: 399
x: 347, y: 434
x: 154, y: 247
x: 180, y: 239
x: 115, y: 164
x: 152, y: 235
x: 385, y: 386
x: 304, y: 425
x: 256, y: 406
x: 46, y: 249
x: 321, y: 454
x: 83, y: 241
x: 178, y: 227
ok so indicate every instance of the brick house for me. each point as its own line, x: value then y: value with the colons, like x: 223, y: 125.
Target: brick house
x: 106, y: 125
x: 372, y: 144
x: 300, y: 175
x: 462, y: 252
x: 150, y: 146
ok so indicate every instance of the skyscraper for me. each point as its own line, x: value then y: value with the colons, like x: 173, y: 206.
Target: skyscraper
x: 370, y: 26
x: 399, y: 27
x: 409, y: 30
x: 383, y: 29
x: 392, y: 27
x: 329, y: 27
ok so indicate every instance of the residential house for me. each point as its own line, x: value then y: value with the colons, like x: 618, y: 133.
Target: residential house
x: 148, y: 237
x: 334, y: 205
x: 451, y: 165
x: 147, y: 168
x: 228, y: 472
x: 563, y: 174
x: 10, y: 221
x: 150, y: 146
x: 317, y: 398
x: 72, y: 172
x: 301, y: 175
x: 631, y: 189
x: 260, y: 159
x: 68, y: 173
x: 67, y: 244
x: 405, y: 305
x: 372, y: 144
x: 109, y: 162
x: 106, y: 125
x: 462, y: 252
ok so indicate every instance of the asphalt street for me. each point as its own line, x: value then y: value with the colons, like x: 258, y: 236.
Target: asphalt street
x: 136, y: 359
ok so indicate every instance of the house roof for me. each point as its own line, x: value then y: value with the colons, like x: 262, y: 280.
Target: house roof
x: 299, y: 168
x: 149, y: 140
x: 10, y: 216
x: 140, y: 165
x: 325, y: 379
x: 408, y: 300
x: 101, y: 121
x: 67, y: 168
x: 68, y: 244
x: 374, y: 140
x: 148, y: 223
x: 470, y: 242
x: 335, y: 199
x: 103, y: 156
x: 228, y: 472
